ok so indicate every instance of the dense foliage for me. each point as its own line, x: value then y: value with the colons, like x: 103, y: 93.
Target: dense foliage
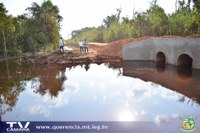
x: 153, y: 22
x: 38, y: 30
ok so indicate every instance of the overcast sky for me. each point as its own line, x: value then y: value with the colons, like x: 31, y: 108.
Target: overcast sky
x: 78, y: 14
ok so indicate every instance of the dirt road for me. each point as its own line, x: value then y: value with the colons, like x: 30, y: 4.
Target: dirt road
x: 98, y: 52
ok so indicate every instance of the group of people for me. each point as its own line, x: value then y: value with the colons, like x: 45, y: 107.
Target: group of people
x: 84, y: 46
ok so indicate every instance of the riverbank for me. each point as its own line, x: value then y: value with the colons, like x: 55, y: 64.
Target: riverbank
x: 98, y: 52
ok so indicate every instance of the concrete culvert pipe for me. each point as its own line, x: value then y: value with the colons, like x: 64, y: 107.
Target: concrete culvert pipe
x: 184, y: 60
x: 160, y: 57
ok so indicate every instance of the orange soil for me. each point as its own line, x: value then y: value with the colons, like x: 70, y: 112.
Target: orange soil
x: 97, y: 51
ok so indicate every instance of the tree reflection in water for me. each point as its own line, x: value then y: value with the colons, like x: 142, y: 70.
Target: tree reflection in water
x: 87, y: 66
x: 115, y: 66
x: 50, y: 79
x: 11, y: 84
x: 15, y: 74
x: 44, y: 79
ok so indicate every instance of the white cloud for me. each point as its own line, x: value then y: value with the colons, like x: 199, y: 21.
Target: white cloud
x: 38, y: 109
x: 161, y: 119
x: 143, y: 112
x: 46, y: 99
x: 174, y: 116
x: 140, y: 92
x: 71, y: 87
x: 44, y: 103
x: 91, y: 83
x: 126, y: 115
x: 169, y: 94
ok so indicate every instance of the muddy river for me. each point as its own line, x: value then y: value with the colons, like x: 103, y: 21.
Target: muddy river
x: 123, y: 91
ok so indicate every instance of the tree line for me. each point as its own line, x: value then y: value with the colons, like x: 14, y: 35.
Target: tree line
x: 37, y: 30
x: 152, y: 22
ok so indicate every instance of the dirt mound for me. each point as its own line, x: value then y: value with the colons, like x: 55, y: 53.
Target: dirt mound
x: 114, y: 49
x: 97, y: 52
x: 194, y: 36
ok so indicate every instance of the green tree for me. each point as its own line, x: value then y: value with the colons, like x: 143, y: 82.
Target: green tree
x: 36, y: 31
x: 117, y: 31
x: 47, y: 19
x: 153, y: 22
x: 6, y: 27
x: 182, y: 22
x: 114, y: 18
x: 157, y: 20
x: 141, y: 25
x: 197, y: 13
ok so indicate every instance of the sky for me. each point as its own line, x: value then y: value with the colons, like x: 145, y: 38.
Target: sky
x: 78, y: 14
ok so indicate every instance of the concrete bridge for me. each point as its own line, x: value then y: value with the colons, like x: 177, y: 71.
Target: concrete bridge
x: 174, y: 51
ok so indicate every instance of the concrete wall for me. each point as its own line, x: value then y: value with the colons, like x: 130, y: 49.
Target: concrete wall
x: 171, y: 47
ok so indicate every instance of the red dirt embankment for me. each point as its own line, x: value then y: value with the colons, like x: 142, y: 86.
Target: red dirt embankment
x: 114, y: 49
x: 98, y: 52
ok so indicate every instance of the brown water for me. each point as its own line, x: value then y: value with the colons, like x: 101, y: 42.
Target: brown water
x: 132, y: 91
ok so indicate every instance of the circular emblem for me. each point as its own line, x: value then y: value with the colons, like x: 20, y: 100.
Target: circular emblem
x: 188, y: 123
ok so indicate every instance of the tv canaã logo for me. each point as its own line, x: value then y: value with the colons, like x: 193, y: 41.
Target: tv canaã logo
x: 17, y: 126
x: 188, y: 123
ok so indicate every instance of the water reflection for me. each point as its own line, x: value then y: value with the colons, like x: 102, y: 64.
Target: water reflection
x: 184, y: 72
x: 178, y: 79
x: 10, y: 85
x: 160, y: 66
x: 87, y: 66
x: 116, y: 66
x: 15, y: 74
x: 126, y: 115
x: 50, y: 80
x: 99, y: 93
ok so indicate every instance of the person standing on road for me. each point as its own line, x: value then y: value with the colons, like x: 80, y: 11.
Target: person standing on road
x: 61, y: 44
x: 86, y: 43
x: 81, y: 46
